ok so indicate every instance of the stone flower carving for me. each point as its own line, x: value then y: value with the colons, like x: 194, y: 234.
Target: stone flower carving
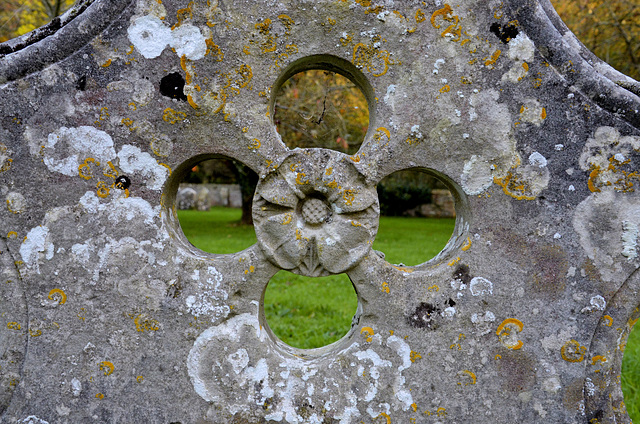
x: 315, y: 215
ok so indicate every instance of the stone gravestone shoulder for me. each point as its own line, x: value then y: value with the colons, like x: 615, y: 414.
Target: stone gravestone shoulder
x: 110, y: 315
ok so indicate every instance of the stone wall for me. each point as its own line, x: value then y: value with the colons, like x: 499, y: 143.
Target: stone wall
x: 204, y: 196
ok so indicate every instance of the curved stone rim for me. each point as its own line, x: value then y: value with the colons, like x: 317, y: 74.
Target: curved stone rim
x: 59, y: 39
x: 607, y: 87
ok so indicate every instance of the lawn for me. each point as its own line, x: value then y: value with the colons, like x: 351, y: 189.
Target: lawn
x: 311, y: 312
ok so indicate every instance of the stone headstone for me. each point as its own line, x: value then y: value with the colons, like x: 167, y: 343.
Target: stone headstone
x: 186, y: 198
x: 110, y: 315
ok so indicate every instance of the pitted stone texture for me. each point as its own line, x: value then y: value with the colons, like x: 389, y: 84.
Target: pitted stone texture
x: 521, y: 318
x: 314, y: 211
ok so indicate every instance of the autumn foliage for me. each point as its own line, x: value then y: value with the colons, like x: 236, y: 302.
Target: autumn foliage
x: 18, y: 17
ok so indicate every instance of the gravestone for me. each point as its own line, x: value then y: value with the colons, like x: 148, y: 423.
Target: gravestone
x: 110, y: 315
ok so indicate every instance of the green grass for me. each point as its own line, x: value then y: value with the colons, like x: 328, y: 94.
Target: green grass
x: 312, y: 312
x: 631, y: 374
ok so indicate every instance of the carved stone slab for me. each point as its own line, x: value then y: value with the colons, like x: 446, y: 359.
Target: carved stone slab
x: 108, y: 314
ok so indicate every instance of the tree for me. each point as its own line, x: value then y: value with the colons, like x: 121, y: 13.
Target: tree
x: 18, y: 17
x: 610, y: 29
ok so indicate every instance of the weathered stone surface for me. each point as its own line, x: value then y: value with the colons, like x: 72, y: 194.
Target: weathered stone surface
x: 110, y: 315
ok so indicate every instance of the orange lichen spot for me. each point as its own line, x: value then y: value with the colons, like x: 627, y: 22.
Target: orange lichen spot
x: 191, y: 102
x: 106, y: 367
x: 299, y: 177
x: 385, y: 287
x: 372, y: 59
x: 445, y: 13
x: 420, y: 16
x: 355, y: 158
x: 144, y: 322
x: 106, y: 64
x: 184, y: 14
x: 328, y: 171
x: 467, y: 245
x: 493, y: 59
x: 246, y: 50
x: 349, y: 196
x: 453, y: 30
x: 512, y: 186
x: 525, y: 66
x: 99, y: 396
x: 35, y: 333
x: 403, y: 269
x: 14, y: 326
x: 598, y: 358
x: 139, y: 379
x: 355, y: 224
x: 595, y: 171
x: 434, y: 288
x: 454, y: 261
x: 288, y: 217
x: 255, y: 144
x: 380, y: 132
x: 287, y: 23
x: 414, y: 407
x: 214, y: 50
x: 497, y: 357
x: 469, y: 374
x: 507, y: 331
x: 58, y: 296
x: 346, y: 40
x: 465, y: 80
x: 251, y: 269
x: 84, y: 170
x: 364, y: 3
x: 269, y: 43
x: 172, y: 116
x: 414, y: 356
x: 445, y: 89
x: 102, y: 189
x: 12, y: 235
x: 607, y: 321
x: 368, y: 331
x: 571, y: 351
x: 543, y: 114
x: 383, y: 414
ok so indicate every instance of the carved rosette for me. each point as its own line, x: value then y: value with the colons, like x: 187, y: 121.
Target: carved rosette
x: 315, y: 215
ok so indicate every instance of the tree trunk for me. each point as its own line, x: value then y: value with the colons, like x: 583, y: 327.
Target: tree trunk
x: 248, y: 180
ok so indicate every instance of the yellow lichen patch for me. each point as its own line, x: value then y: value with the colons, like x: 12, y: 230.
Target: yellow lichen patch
x: 14, y: 326
x: 403, y: 269
x: 507, y: 333
x: 385, y: 287
x: 414, y: 356
x: 420, y: 16
x: 184, y: 14
x: 251, y: 269
x: 368, y: 331
x: 328, y: 171
x: 467, y: 245
x: 102, y: 189
x: 35, y: 333
x: 214, y: 50
x: 380, y: 134
x: 454, y: 261
x: 440, y: 412
x: 106, y: 367
x: 145, y: 323
x: 453, y: 30
x: 84, y: 170
x: 571, y: 351
x: 269, y: 42
x: 191, y: 102
x: 434, y: 288
x: 598, y: 358
x: 543, y: 114
x: 372, y: 59
x: 515, y: 187
x: 490, y: 61
x: 349, y: 196
x: 288, y: 217
x: 12, y: 235
x: 607, y: 321
x: 99, y: 396
x: 468, y: 378
x: 346, y: 40
x: 172, y: 116
x: 287, y: 23
x: 356, y: 224
x: 58, y: 295
x: 384, y: 414
x: 139, y: 379
x: 106, y: 64
x: 255, y: 144
x: 299, y: 178
x: 445, y: 89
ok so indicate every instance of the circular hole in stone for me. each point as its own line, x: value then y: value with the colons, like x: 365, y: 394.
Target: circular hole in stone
x: 630, y: 376
x: 213, y: 204
x: 417, y: 217
x: 609, y: 29
x: 18, y: 17
x: 321, y: 108
x: 309, y: 312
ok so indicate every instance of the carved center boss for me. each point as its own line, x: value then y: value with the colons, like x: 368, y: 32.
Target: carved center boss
x: 110, y: 315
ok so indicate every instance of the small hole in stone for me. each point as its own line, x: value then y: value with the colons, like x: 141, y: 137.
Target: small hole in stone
x: 309, y: 312
x: 318, y: 108
x: 172, y: 86
x: 213, y: 205
x: 630, y: 376
x: 417, y: 217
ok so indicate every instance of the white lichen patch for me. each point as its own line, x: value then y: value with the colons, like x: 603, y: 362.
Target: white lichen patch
x: 67, y: 148
x: 630, y: 240
x: 476, y: 176
x: 521, y: 48
x: 536, y: 159
x: 532, y: 112
x: 150, y: 36
x: 480, y: 286
x: 210, y: 299
x: 34, y: 247
x: 133, y: 161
